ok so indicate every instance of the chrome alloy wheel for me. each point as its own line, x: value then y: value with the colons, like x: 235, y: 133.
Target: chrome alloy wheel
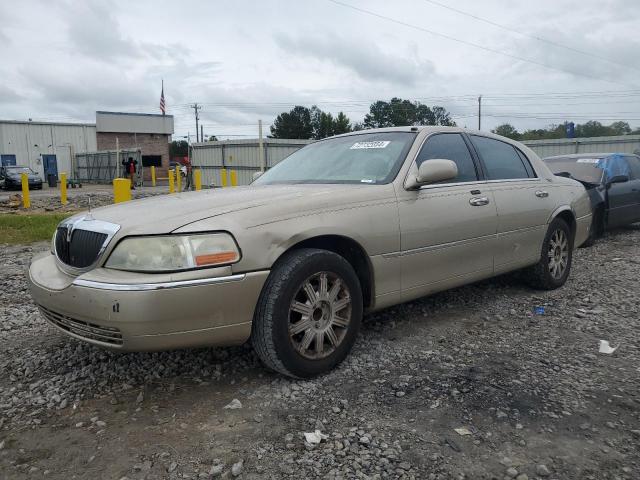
x: 558, y: 254
x: 319, y: 315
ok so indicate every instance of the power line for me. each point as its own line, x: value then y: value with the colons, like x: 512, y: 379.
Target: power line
x: 465, y: 42
x: 524, y: 34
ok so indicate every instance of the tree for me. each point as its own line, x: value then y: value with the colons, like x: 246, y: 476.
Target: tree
x: 213, y: 138
x: 592, y: 128
x: 341, y: 124
x: 398, y: 112
x: 620, y: 128
x: 294, y: 124
x: 178, y: 148
x: 322, y: 123
x: 507, y: 130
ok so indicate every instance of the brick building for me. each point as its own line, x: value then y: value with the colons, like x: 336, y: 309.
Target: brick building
x: 149, y: 133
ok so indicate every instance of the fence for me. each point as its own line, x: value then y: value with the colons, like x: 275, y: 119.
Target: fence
x: 564, y: 146
x: 243, y: 156
x: 102, y: 167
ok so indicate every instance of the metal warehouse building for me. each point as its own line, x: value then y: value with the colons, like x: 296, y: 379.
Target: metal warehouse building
x: 36, y: 144
x: 49, y: 147
x: 564, y: 146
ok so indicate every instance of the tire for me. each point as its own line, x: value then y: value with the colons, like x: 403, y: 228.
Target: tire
x: 285, y: 304
x: 542, y: 275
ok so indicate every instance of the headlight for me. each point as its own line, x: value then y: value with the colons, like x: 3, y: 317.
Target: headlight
x: 173, y: 252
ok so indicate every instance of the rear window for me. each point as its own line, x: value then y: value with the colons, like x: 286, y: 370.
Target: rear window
x: 501, y: 160
x: 583, y: 168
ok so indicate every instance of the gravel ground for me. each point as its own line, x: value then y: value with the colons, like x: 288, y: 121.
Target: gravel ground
x: 530, y: 394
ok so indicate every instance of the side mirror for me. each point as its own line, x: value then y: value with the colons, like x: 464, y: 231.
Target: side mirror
x: 257, y: 175
x: 432, y: 171
x: 617, y: 179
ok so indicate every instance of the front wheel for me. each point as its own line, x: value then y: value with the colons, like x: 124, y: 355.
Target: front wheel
x: 553, y: 269
x: 308, y: 314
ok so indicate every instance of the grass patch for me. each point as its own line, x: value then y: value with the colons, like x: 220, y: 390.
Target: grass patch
x: 29, y: 228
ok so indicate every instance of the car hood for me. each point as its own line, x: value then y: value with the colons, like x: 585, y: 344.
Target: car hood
x: 18, y: 177
x: 250, y: 206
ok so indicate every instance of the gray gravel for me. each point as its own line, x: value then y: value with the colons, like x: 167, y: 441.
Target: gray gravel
x: 537, y: 398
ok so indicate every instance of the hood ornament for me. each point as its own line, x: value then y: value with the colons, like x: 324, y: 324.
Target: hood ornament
x: 89, y: 216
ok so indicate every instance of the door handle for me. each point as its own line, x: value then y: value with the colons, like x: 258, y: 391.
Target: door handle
x: 478, y: 201
x: 542, y: 194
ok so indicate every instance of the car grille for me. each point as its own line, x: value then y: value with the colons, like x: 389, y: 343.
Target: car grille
x: 83, y: 249
x: 89, y: 331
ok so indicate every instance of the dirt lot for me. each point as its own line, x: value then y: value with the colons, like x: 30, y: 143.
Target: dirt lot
x: 536, y: 397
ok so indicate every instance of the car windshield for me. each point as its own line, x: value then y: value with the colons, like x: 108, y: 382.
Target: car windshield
x: 583, y: 168
x: 18, y: 170
x: 370, y: 158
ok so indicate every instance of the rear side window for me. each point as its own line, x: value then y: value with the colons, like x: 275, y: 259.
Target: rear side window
x: 450, y: 146
x: 501, y: 160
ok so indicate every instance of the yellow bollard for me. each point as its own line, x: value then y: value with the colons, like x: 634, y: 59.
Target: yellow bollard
x: 171, y: 187
x: 223, y: 177
x: 26, y: 201
x: 121, y: 190
x: 63, y: 188
x: 153, y: 176
x: 178, y: 179
x: 197, y: 178
x: 234, y: 178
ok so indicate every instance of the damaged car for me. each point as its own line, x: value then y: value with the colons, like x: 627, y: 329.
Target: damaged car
x: 344, y: 226
x: 613, y: 183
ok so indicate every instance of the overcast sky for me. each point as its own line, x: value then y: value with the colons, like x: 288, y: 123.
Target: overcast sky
x: 250, y: 60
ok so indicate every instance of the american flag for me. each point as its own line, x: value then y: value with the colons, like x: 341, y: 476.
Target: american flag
x: 162, y: 106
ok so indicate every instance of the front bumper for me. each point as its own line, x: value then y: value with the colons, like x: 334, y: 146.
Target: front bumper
x: 214, y: 311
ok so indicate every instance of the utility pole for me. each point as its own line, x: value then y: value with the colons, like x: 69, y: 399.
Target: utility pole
x: 263, y: 167
x: 479, y: 111
x: 202, y: 133
x: 196, y: 108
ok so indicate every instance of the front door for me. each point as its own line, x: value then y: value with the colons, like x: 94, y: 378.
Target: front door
x: 448, y: 229
x: 50, y: 164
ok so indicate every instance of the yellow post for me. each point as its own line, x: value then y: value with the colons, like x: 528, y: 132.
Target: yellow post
x: 171, y: 187
x: 178, y: 179
x: 121, y: 190
x: 223, y: 177
x: 63, y: 188
x: 234, y: 178
x: 153, y: 176
x: 26, y: 201
x: 197, y: 178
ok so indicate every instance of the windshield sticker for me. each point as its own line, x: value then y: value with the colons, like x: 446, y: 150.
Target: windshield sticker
x: 588, y: 160
x: 363, y: 145
x: 367, y: 180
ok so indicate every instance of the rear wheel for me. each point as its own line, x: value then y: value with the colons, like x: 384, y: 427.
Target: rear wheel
x: 308, y: 314
x: 554, y: 266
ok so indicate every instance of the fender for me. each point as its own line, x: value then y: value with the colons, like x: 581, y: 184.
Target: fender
x: 559, y: 210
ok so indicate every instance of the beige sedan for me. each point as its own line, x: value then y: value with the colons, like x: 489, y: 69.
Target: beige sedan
x: 346, y: 225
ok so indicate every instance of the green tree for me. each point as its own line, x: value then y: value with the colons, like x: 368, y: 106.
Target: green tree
x: 178, y: 148
x: 592, y: 128
x: 341, y: 124
x: 294, y: 124
x: 398, y: 112
x: 322, y: 123
x: 507, y: 130
x: 620, y: 128
x: 213, y: 138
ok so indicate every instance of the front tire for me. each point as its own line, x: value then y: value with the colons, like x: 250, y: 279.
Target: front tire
x: 308, y: 314
x: 553, y: 269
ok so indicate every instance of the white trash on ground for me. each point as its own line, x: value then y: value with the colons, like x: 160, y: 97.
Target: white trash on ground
x: 314, y: 437
x: 606, y: 348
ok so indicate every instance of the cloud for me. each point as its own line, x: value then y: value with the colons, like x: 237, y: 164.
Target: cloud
x: 367, y: 60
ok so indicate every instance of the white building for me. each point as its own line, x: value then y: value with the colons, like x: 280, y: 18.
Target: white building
x: 33, y: 143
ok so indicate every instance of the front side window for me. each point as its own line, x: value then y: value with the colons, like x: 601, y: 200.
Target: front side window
x: 450, y: 146
x: 370, y: 158
x: 500, y: 159
x: 634, y: 164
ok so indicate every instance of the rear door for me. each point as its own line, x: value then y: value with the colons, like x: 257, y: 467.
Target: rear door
x: 447, y: 229
x: 524, y: 202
